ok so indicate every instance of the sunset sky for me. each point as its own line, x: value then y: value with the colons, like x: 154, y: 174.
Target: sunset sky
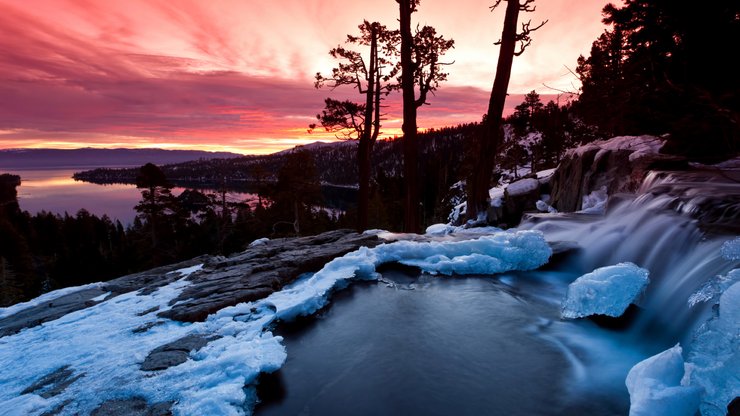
x: 238, y: 75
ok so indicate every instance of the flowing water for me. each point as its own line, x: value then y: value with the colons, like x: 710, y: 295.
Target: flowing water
x: 419, y: 344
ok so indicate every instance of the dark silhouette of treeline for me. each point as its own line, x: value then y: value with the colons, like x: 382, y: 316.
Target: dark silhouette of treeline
x: 666, y: 67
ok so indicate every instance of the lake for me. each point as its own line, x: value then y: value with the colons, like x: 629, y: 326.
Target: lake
x: 54, y: 190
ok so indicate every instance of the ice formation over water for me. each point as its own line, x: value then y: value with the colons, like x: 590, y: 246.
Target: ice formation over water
x: 655, y: 387
x: 731, y: 249
x: 605, y: 291
x: 714, y: 355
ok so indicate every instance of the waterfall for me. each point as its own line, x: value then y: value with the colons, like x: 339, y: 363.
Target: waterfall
x: 673, y: 226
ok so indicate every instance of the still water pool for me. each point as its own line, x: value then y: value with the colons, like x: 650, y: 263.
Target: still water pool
x: 432, y: 345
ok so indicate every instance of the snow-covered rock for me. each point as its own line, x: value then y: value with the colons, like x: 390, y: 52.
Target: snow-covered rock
x: 522, y: 186
x: 440, y: 229
x: 605, y: 291
x: 714, y: 355
x: 259, y: 242
x: 638, y: 146
x: 655, y: 387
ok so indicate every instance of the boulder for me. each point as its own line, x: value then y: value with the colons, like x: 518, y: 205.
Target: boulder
x: 173, y: 353
x: 519, y: 197
x: 616, y: 165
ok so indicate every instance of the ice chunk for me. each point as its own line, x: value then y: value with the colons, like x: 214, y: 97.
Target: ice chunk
x: 714, y: 356
x: 605, y: 291
x: 731, y: 249
x: 595, y: 202
x: 655, y: 387
x: 496, y: 253
x: 714, y: 287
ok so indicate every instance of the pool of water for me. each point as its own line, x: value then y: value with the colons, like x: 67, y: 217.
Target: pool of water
x: 451, y: 346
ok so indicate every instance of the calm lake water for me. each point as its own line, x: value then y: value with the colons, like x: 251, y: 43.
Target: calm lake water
x: 54, y: 190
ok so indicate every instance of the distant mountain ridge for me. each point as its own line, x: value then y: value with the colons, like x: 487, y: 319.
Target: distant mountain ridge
x: 90, y: 157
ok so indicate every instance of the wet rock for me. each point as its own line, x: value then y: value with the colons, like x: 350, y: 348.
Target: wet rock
x: 174, y: 353
x: 616, y: 165
x: 135, y: 406
x: 260, y: 271
x: 49, y: 311
x: 148, y: 281
x: 53, y: 383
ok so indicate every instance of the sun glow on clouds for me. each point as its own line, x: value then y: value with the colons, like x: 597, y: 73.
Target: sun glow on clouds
x: 237, y: 75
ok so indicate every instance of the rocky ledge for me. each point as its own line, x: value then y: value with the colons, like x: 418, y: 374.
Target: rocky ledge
x: 263, y: 268
x: 215, y: 283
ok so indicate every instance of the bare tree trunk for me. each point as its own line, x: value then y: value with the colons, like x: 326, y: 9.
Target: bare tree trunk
x: 364, y: 151
x: 153, y: 215
x: 410, y: 145
x: 491, y: 137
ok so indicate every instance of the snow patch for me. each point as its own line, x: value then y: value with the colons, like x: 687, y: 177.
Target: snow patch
x: 605, y: 291
x: 496, y: 196
x: 488, y: 254
x: 523, y: 186
x: 655, y: 387
x: 640, y: 146
x: 101, y: 297
x: 440, y: 229
x: 595, y: 202
x: 187, y: 271
x: 259, y: 242
x: 546, y: 174
x: 543, y: 206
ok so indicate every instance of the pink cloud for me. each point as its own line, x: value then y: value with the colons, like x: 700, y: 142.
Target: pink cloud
x: 230, y: 74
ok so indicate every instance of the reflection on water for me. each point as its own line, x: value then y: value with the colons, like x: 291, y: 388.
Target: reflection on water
x: 451, y: 346
x: 54, y: 190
